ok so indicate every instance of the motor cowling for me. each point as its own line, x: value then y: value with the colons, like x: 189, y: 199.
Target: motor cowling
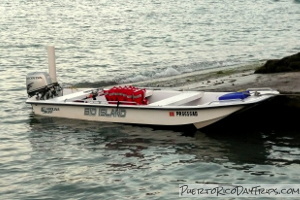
x: 40, y: 84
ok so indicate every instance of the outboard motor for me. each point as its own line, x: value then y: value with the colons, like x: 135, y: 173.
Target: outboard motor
x: 41, y: 85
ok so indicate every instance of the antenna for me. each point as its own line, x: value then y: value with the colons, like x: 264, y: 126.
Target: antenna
x: 51, y: 63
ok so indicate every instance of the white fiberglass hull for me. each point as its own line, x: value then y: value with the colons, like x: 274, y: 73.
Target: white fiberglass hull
x: 197, y: 108
x: 199, y: 117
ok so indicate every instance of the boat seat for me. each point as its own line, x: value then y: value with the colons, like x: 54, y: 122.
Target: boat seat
x: 179, y: 99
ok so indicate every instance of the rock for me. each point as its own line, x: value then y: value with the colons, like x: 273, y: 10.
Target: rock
x: 286, y: 64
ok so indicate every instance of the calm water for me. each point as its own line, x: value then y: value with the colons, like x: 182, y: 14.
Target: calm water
x: 121, y: 41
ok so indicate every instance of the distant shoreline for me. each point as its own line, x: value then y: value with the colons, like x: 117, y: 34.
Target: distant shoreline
x: 204, y: 79
x: 229, y: 79
x: 233, y: 78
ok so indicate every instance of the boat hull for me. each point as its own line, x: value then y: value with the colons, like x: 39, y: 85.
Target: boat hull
x: 199, y: 117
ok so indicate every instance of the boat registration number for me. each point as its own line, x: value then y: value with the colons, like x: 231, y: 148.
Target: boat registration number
x: 183, y: 114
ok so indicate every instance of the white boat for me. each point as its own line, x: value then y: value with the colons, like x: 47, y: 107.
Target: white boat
x: 132, y: 105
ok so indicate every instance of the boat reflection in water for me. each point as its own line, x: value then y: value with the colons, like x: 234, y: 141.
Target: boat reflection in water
x: 144, y: 161
x: 118, y: 145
